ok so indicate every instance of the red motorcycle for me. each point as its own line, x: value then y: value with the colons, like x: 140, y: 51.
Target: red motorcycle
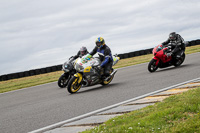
x: 161, y: 60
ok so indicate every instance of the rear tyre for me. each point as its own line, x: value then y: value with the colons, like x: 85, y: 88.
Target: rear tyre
x: 109, y: 80
x: 180, y: 60
x: 73, y: 85
x: 152, y: 66
x: 63, y: 80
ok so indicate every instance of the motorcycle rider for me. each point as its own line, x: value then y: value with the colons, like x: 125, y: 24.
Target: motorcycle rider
x: 177, y: 44
x: 104, y: 54
x: 83, y: 51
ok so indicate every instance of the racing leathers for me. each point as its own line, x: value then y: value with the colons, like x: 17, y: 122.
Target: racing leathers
x: 105, y: 57
x: 79, y: 55
x: 177, y: 45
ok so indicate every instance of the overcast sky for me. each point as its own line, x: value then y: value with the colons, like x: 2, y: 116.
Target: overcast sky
x: 41, y: 33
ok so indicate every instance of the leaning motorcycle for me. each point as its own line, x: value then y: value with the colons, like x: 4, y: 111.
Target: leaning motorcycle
x: 161, y: 60
x: 69, y: 71
x: 88, y: 74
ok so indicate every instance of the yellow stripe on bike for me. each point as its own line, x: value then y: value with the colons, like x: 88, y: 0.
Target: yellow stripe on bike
x: 87, y: 69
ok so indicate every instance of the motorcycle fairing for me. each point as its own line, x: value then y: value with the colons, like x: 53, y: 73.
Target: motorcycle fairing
x: 87, y: 69
x: 157, y: 60
x: 161, y: 55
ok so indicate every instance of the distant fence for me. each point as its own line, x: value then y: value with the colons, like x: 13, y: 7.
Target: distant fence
x: 59, y: 67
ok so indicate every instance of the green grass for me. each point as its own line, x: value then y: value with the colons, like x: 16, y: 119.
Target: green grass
x: 20, y: 83
x: 176, y: 114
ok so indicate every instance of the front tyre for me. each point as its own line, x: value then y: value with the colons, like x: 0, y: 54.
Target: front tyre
x: 152, y: 66
x: 63, y: 80
x: 73, y: 85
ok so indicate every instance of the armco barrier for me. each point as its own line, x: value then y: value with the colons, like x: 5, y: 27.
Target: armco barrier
x: 131, y: 54
x: 54, y: 68
x: 37, y: 71
x: 4, y: 77
x: 49, y: 69
x: 141, y: 52
x: 21, y: 74
x: 43, y: 70
x: 27, y: 73
x: 192, y: 43
x: 59, y: 67
x: 197, y: 42
x: 137, y: 53
x: 32, y: 72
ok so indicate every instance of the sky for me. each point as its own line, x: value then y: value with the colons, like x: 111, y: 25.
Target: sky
x: 41, y: 33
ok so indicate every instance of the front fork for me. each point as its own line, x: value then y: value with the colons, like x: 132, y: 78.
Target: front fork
x: 157, y: 60
x: 67, y: 76
x: 79, y: 76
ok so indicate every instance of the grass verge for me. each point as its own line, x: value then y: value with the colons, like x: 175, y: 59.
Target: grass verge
x: 176, y: 114
x: 25, y: 82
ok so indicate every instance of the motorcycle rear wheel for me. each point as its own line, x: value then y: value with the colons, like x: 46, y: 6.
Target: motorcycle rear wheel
x: 152, y: 66
x: 62, y: 81
x: 73, y: 85
x: 109, y: 80
x: 180, y: 61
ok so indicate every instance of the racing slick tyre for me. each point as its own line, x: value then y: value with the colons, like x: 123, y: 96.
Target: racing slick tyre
x: 152, y: 66
x: 180, y: 60
x: 73, y: 85
x: 63, y: 80
x: 106, y: 82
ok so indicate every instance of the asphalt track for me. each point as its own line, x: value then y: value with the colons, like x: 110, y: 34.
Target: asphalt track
x: 36, y: 107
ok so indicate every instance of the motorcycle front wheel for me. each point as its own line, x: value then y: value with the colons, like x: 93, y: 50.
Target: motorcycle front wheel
x: 63, y: 80
x: 73, y: 85
x: 152, y: 66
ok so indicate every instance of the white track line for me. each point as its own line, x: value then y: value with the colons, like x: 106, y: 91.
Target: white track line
x: 59, y: 124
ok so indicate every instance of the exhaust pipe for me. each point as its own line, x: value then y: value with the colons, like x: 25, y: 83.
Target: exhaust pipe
x: 112, y: 74
x: 85, y: 83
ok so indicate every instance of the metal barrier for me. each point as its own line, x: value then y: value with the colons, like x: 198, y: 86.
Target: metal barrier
x: 59, y: 67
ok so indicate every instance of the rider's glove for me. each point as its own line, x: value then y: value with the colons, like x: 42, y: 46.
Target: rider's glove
x: 169, y: 47
x: 88, y: 56
x: 169, y: 54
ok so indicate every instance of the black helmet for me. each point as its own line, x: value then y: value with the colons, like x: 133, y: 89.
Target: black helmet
x: 172, y: 36
x: 83, y: 51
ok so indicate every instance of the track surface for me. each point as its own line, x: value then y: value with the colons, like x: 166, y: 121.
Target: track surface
x: 36, y: 107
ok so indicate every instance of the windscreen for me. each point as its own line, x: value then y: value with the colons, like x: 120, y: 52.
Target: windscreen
x: 158, y: 49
